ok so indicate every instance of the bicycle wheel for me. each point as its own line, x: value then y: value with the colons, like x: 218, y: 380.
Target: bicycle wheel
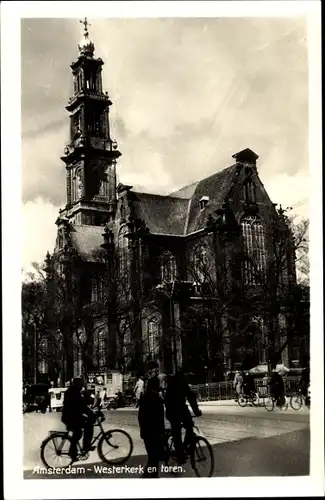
x: 296, y: 402
x: 202, y: 458
x: 55, y: 451
x: 269, y: 403
x: 115, y: 447
x: 242, y: 400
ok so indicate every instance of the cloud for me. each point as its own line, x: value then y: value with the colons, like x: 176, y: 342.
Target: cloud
x: 39, y: 234
x: 187, y: 94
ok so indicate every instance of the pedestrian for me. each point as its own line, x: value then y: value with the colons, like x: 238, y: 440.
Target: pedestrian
x: 97, y: 401
x: 238, y: 384
x: 103, y: 397
x: 152, y: 426
x: 277, y: 388
x: 138, y: 389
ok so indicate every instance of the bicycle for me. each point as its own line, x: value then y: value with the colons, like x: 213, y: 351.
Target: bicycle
x: 298, y: 399
x: 61, y: 441
x: 244, y: 399
x: 270, y: 402
x: 198, y: 450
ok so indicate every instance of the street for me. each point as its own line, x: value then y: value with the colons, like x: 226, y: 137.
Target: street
x: 246, y: 442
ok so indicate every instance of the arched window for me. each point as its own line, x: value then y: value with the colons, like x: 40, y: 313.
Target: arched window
x: 153, y: 338
x: 97, y: 289
x: 77, y: 185
x: 168, y: 267
x: 254, y: 247
x: 123, y: 246
x: 200, y: 263
x: 101, y: 349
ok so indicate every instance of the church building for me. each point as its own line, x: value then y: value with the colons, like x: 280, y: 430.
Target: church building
x: 176, y: 278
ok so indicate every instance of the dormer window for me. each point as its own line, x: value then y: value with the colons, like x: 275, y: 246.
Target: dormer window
x: 203, y: 202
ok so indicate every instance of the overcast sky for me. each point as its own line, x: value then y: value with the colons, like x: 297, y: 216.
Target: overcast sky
x: 187, y: 94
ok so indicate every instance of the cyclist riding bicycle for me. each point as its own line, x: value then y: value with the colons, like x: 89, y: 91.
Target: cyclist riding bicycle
x: 177, y: 393
x: 249, y: 385
x: 78, y: 417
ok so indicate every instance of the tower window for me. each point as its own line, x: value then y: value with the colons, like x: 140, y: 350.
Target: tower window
x: 254, y: 247
x: 168, y: 267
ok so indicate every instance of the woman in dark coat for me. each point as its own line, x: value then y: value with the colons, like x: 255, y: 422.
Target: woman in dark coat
x: 152, y: 426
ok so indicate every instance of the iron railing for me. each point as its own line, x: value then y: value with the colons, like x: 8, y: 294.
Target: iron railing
x: 225, y: 390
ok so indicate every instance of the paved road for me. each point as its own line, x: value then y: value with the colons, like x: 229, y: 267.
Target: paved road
x: 246, y: 442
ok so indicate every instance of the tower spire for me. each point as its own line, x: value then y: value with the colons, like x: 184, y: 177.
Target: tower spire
x: 86, y: 46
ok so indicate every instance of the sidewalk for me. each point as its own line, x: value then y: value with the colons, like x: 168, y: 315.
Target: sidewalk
x: 218, y: 402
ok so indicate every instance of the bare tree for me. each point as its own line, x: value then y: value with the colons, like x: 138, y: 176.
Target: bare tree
x: 248, y: 292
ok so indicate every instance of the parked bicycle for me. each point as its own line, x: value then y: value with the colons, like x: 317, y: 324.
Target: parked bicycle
x: 244, y: 399
x: 198, y: 450
x: 114, y: 446
x: 297, y: 400
x: 270, y: 402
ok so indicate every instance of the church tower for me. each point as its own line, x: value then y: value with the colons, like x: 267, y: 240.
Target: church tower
x: 91, y: 154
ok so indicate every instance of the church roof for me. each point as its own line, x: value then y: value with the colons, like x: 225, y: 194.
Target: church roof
x: 87, y: 240
x: 180, y: 212
x: 162, y: 214
x: 216, y: 187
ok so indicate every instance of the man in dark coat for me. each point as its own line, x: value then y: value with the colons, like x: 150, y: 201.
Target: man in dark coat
x: 78, y: 417
x: 178, y: 392
x: 152, y: 425
x: 277, y: 388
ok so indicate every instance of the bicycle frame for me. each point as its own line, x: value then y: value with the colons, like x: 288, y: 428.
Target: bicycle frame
x: 67, y: 433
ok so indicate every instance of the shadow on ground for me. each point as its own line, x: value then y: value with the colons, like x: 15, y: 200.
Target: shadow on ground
x: 283, y: 455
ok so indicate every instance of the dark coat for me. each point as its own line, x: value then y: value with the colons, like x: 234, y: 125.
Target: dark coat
x: 151, y: 415
x: 177, y: 393
x: 276, y: 384
x: 74, y: 407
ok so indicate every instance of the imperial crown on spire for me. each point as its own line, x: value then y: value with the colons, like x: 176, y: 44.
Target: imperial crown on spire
x: 86, y: 46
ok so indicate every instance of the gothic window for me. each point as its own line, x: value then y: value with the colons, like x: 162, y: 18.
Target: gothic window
x: 254, y: 247
x: 200, y: 264
x: 97, y: 289
x: 168, y: 267
x: 101, y: 349
x: 153, y: 338
x: 249, y: 192
x: 123, y: 247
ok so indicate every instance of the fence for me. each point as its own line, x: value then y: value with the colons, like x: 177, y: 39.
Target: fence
x: 225, y: 390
